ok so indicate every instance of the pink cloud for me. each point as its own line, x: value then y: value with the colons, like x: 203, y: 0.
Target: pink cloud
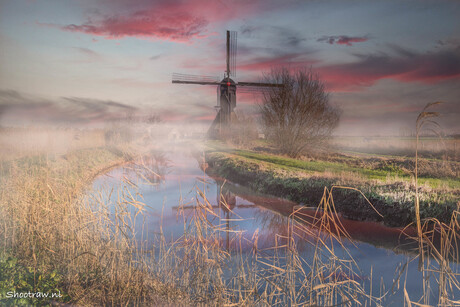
x: 176, y: 20
x: 176, y: 27
x: 405, y: 66
x: 429, y: 68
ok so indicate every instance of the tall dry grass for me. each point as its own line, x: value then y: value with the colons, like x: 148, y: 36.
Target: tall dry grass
x: 46, y: 227
x: 422, y: 120
x: 438, y: 242
x: 105, y: 255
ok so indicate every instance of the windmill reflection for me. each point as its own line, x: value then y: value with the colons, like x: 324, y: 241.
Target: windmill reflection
x: 227, y: 202
x: 227, y: 207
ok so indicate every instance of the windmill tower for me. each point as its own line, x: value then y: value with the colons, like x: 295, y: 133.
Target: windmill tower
x: 226, y: 88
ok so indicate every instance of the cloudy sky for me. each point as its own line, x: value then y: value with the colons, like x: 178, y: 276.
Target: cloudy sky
x: 86, y: 60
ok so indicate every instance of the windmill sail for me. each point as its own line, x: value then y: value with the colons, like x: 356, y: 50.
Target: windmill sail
x: 259, y: 84
x: 194, y: 79
x: 231, y: 53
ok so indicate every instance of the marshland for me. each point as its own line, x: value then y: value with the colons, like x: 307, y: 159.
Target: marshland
x: 117, y: 221
x: 238, y: 153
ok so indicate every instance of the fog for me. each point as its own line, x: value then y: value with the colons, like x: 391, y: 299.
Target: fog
x: 31, y: 124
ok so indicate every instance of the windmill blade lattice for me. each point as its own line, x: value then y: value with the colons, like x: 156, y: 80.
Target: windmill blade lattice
x: 194, y: 79
x: 232, y: 48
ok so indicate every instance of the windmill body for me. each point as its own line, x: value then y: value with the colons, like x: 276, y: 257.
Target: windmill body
x: 226, y: 107
x: 226, y: 89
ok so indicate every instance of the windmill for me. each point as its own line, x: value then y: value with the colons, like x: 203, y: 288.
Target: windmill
x: 226, y: 203
x: 226, y: 89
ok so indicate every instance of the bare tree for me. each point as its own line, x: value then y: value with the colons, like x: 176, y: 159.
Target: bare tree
x: 297, y: 116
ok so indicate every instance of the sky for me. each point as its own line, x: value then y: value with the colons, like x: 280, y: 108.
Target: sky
x: 86, y: 61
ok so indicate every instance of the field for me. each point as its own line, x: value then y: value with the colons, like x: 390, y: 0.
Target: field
x: 21, y: 142
x: 430, y: 147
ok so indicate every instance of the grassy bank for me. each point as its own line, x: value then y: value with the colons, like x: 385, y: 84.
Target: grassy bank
x: 387, y: 183
x: 52, y: 242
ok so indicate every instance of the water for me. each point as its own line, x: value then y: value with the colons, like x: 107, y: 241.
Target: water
x: 175, y: 177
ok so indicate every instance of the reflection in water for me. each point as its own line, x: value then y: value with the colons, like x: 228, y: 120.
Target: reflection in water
x: 255, y: 222
x: 227, y: 202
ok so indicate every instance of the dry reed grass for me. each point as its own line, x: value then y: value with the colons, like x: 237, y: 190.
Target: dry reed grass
x: 100, y: 246
x: 47, y: 229
x: 438, y: 242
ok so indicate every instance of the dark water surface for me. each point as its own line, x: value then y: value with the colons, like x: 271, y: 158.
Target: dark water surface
x: 374, y: 247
